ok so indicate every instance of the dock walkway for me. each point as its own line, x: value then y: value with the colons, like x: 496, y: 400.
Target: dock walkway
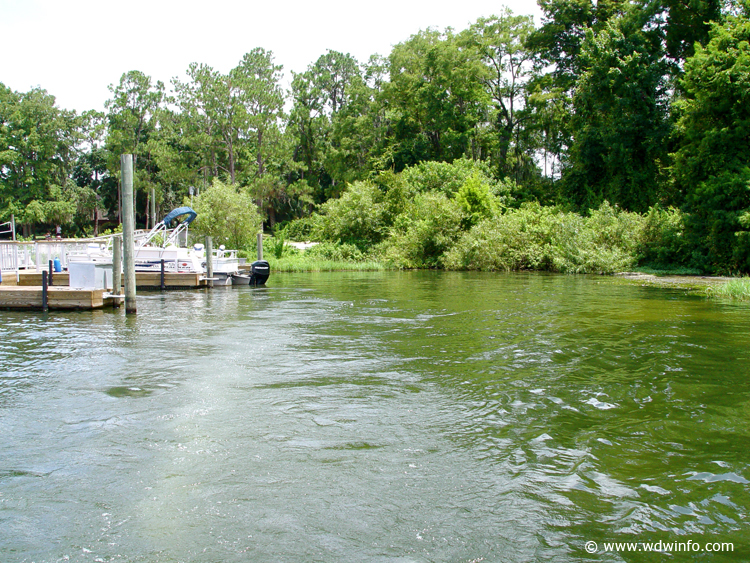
x: 58, y: 297
x: 25, y: 291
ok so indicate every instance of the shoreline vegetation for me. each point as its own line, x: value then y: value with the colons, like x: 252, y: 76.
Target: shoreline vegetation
x: 606, y: 139
x: 458, y: 217
x: 710, y: 286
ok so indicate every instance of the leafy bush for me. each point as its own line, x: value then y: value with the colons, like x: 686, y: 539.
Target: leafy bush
x: 544, y: 238
x: 476, y: 201
x: 300, y: 230
x: 357, y: 217
x: 604, y: 243
x: 424, y: 232
x: 336, y: 251
x: 447, y: 178
x: 663, y: 240
x: 228, y: 215
x: 517, y: 240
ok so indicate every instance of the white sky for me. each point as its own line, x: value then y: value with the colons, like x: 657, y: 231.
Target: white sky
x: 76, y: 48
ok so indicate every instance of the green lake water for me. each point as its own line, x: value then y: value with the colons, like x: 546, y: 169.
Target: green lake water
x: 378, y: 417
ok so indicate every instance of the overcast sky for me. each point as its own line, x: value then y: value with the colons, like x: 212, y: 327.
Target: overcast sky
x: 76, y: 48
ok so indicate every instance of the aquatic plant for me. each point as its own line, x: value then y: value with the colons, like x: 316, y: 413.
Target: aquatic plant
x: 734, y: 289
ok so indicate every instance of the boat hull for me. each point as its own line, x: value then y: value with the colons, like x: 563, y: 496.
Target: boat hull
x: 241, y: 279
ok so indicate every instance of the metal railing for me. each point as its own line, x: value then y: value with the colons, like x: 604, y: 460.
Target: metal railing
x: 18, y: 255
x: 15, y: 256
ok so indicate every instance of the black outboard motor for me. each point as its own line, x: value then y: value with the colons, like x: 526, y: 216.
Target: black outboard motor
x: 259, y: 272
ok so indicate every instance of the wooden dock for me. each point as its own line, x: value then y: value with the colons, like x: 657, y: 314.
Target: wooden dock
x: 34, y: 278
x: 58, y: 297
x: 26, y: 293
x: 143, y: 280
x: 152, y: 280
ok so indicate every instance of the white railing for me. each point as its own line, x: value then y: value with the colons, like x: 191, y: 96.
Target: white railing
x: 16, y: 256
x: 8, y: 257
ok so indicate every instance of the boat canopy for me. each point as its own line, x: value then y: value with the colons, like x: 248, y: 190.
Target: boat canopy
x: 179, y: 212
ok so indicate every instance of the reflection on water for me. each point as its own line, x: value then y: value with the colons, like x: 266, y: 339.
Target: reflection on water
x: 413, y: 416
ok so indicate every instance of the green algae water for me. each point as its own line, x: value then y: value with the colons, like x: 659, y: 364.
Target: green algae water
x: 378, y: 417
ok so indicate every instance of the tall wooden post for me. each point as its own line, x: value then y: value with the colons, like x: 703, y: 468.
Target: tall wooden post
x: 260, y: 245
x: 153, y: 207
x: 116, y: 268
x: 128, y: 231
x: 210, y: 261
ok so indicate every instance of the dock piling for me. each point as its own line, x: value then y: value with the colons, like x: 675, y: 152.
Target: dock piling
x: 128, y: 231
x: 50, y: 273
x: 161, y: 284
x: 116, y: 268
x: 210, y: 261
x: 45, y: 304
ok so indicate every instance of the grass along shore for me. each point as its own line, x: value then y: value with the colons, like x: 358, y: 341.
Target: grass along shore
x: 302, y: 263
x: 738, y: 288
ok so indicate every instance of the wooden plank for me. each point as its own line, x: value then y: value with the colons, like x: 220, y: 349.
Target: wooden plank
x: 29, y: 297
x: 172, y: 280
x: 75, y: 298
x: 32, y: 277
x: 145, y: 280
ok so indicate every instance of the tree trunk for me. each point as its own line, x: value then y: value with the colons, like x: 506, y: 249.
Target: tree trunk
x: 260, y: 154
x: 230, y: 154
x: 148, y: 206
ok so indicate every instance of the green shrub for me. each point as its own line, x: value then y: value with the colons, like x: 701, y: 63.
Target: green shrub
x: 336, y: 251
x: 447, y: 178
x: 424, y: 232
x: 228, y: 215
x: 663, y: 241
x: 476, y: 201
x: 302, y: 229
x: 520, y: 239
x: 357, y: 217
x: 544, y: 238
x: 604, y: 243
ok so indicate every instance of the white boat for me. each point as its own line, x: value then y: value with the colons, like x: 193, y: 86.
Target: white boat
x: 165, y: 243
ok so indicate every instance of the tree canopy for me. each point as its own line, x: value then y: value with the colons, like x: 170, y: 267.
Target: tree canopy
x: 633, y: 104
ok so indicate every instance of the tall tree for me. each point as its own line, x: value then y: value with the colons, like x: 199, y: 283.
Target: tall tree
x: 38, y: 145
x: 359, y: 137
x: 257, y: 80
x: 500, y: 42
x: 711, y: 164
x: 687, y: 22
x: 435, y: 98
x: 90, y: 169
x: 234, y: 116
x: 620, y: 125
x: 320, y: 94
x: 200, y: 125
x: 132, y: 115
